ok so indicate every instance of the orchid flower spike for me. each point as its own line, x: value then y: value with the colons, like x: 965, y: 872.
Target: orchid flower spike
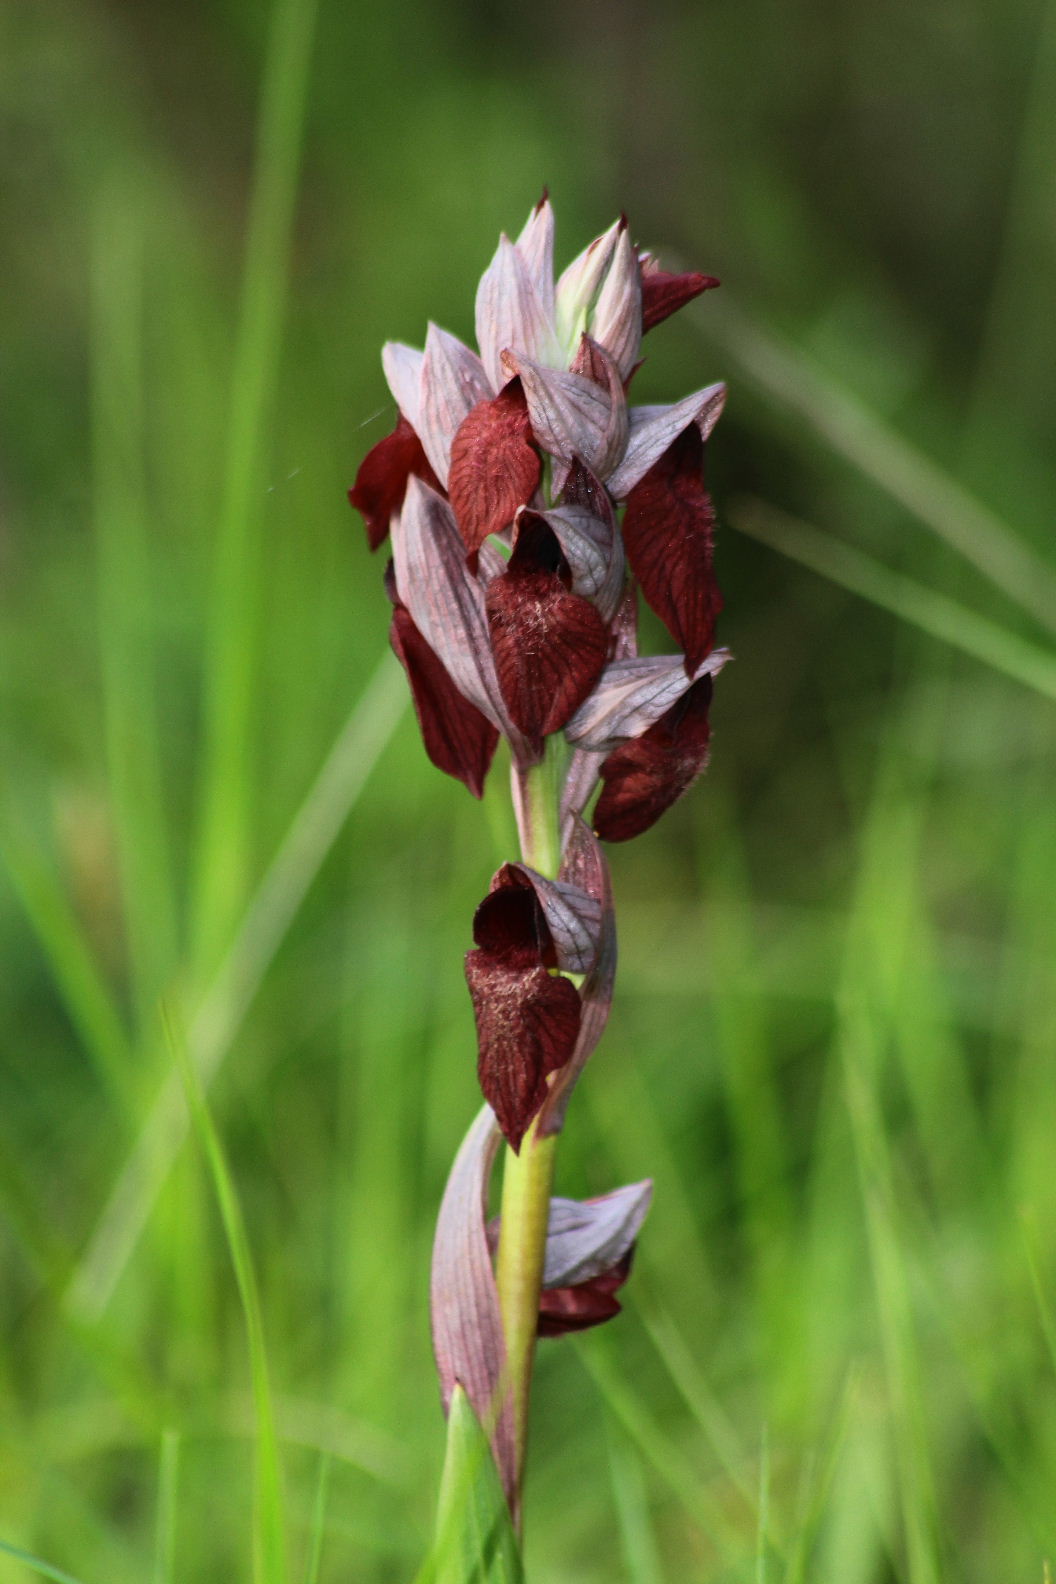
x: 526, y: 503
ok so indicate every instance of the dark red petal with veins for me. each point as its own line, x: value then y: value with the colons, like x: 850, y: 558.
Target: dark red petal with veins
x: 564, y: 1309
x: 550, y: 646
x: 381, y: 482
x: 644, y: 776
x: 527, y: 1025
x: 664, y: 294
x: 457, y: 737
x: 494, y: 467
x: 668, y: 529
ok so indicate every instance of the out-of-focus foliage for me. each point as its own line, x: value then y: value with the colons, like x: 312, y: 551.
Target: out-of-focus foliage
x: 833, y: 1037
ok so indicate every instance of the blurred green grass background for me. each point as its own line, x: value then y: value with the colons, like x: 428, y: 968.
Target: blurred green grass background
x: 833, y: 1039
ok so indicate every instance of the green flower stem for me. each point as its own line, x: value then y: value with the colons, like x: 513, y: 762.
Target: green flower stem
x: 528, y: 1176
x: 526, y: 1184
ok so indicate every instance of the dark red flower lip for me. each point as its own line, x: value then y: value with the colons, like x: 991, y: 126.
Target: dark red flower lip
x: 528, y: 1016
x: 550, y: 645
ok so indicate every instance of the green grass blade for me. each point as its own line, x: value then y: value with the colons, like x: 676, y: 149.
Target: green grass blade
x: 216, y: 1023
x: 223, y: 842
x: 44, y: 1569
x: 82, y: 987
x: 269, y: 1540
x: 168, y: 1508
x: 632, y: 1515
x: 934, y: 613
x: 878, y: 451
x: 673, y: 1466
x: 322, y: 1491
x: 125, y: 596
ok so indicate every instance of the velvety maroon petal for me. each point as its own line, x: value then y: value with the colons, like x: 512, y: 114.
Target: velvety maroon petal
x: 664, y: 294
x: 668, y: 531
x: 494, y: 467
x: 590, y: 1303
x: 381, y: 482
x: 550, y: 646
x: 457, y: 737
x: 527, y: 1025
x: 644, y: 776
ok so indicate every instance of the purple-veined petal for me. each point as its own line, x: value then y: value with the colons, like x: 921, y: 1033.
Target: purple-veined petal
x: 581, y: 778
x: 580, y: 284
x: 458, y: 738
x: 668, y: 529
x: 585, y: 867
x: 643, y: 777
x: 509, y: 312
x: 571, y: 414
x: 466, y: 1322
x: 572, y: 915
x: 494, y: 466
x: 585, y: 1238
x: 453, y: 381
x: 381, y: 481
x: 652, y: 429
x: 403, y: 371
x: 536, y: 247
x: 617, y: 318
x: 632, y: 695
x: 594, y: 362
x: 446, y: 602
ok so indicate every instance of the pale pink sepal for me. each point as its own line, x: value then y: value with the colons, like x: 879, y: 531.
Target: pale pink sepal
x: 510, y: 313
x: 445, y: 600
x: 453, y: 381
x: 403, y: 372
x: 585, y: 867
x: 652, y: 429
x: 616, y: 323
x: 586, y: 1237
x: 536, y: 247
x: 466, y: 1322
x: 632, y: 695
x: 581, y: 778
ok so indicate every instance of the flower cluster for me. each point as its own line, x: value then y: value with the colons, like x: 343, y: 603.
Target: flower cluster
x: 527, y: 503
